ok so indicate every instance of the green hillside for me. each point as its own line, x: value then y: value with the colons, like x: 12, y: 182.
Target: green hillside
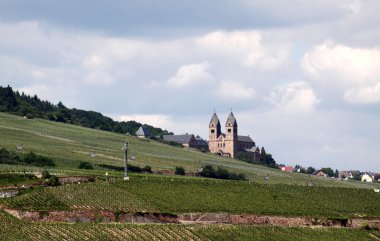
x: 69, y: 144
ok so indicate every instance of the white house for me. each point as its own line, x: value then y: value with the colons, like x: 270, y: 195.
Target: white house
x: 367, y: 177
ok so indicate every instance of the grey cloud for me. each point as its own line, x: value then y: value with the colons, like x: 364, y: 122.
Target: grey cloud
x: 160, y: 18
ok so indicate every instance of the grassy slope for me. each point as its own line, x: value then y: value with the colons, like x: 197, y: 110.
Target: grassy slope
x: 164, y: 195
x: 69, y: 144
x: 13, y: 229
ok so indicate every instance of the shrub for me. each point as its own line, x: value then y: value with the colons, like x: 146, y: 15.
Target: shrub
x: 147, y: 169
x: 180, y: 171
x: 45, y: 174
x: 85, y: 165
x: 53, y: 181
x: 221, y: 173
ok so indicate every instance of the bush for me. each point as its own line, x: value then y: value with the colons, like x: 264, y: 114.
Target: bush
x: 32, y: 159
x: 180, y: 171
x: 85, y: 165
x: 53, y: 181
x: 221, y: 173
x: 147, y: 169
x: 45, y: 174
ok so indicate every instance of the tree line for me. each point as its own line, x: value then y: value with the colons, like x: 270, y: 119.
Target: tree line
x: 30, y: 158
x: 21, y: 104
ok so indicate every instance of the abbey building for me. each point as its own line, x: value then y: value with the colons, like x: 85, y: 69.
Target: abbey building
x: 230, y: 144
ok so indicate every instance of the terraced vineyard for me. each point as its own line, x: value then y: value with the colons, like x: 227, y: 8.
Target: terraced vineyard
x: 14, y: 229
x: 70, y: 144
x: 184, y: 195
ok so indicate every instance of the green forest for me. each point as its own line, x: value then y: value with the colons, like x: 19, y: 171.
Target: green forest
x: 32, y: 107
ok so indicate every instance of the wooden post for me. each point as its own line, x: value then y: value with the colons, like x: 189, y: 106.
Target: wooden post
x: 125, y: 149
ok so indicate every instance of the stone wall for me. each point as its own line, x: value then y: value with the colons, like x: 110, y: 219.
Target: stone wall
x: 189, y: 218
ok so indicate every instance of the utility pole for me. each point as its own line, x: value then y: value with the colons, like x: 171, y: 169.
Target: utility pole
x: 125, y: 149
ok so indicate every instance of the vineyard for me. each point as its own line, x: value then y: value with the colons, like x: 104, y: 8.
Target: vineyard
x: 282, y: 194
x: 14, y: 229
x: 165, y: 195
x: 68, y: 145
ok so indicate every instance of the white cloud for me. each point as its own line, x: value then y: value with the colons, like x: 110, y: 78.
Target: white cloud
x: 43, y: 91
x: 363, y: 95
x: 245, y: 47
x: 230, y: 90
x: 353, y: 71
x: 191, y: 74
x: 295, y: 98
x: 154, y: 120
x: 99, y: 79
x: 189, y: 124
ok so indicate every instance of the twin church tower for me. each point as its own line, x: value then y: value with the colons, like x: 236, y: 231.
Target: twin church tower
x: 230, y: 143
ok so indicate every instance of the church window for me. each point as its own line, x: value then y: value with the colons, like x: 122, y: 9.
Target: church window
x: 212, y: 131
x: 229, y: 130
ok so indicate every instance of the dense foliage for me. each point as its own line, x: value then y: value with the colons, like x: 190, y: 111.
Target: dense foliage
x: 220, y: 173
x: 265, y: 160
x: 13, y: 158
x: 180, y: 171
x: 32, y: 107
x: 131, y: 168
x: 85, y: 165
x: 8, y: 179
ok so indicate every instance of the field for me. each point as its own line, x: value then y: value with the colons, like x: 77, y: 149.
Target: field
x: 284, y: 194
x: 181, y: 195
x: 69, y: 144
x: 14, y: 229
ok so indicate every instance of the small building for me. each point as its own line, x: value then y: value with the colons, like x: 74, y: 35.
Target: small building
x: 187, y: 140
x: 253, y: 153
x: 368, y: 177
x: 345, y: 175
x: 201, y: 144
x: 286, y: 168
x: 143, y: 132
x: 320, y: 173
x: 377, y: 177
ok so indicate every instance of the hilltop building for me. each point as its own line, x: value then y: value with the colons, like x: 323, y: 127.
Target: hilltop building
x: 187, y: 140
x: 143, y: 132
x: 230, y: 144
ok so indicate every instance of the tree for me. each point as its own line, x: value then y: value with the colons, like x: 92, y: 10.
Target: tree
x: 328, y: 171
x: 268, y: 160
x: 180, y: 171
x: 336, y: 173
x: 310, y: 170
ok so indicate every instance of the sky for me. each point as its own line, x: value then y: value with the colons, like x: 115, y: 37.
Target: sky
x: 301, y: 77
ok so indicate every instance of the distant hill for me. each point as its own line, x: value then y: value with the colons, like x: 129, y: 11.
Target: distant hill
x: 32, y: 107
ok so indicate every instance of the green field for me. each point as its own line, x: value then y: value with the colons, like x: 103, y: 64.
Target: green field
x: 284, y: 194
x: 14, y: 229
x: 69, y: 144
x: 166, y: 195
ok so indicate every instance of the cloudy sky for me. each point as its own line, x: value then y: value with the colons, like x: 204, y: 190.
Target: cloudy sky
x: 302, y: 77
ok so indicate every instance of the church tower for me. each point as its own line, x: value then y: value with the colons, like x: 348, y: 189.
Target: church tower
x: 214, y: 128
x: 214, y: 133
x: 232, y: 135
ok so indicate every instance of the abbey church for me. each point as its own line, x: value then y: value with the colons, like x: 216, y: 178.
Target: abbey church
x: 230, y: 144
